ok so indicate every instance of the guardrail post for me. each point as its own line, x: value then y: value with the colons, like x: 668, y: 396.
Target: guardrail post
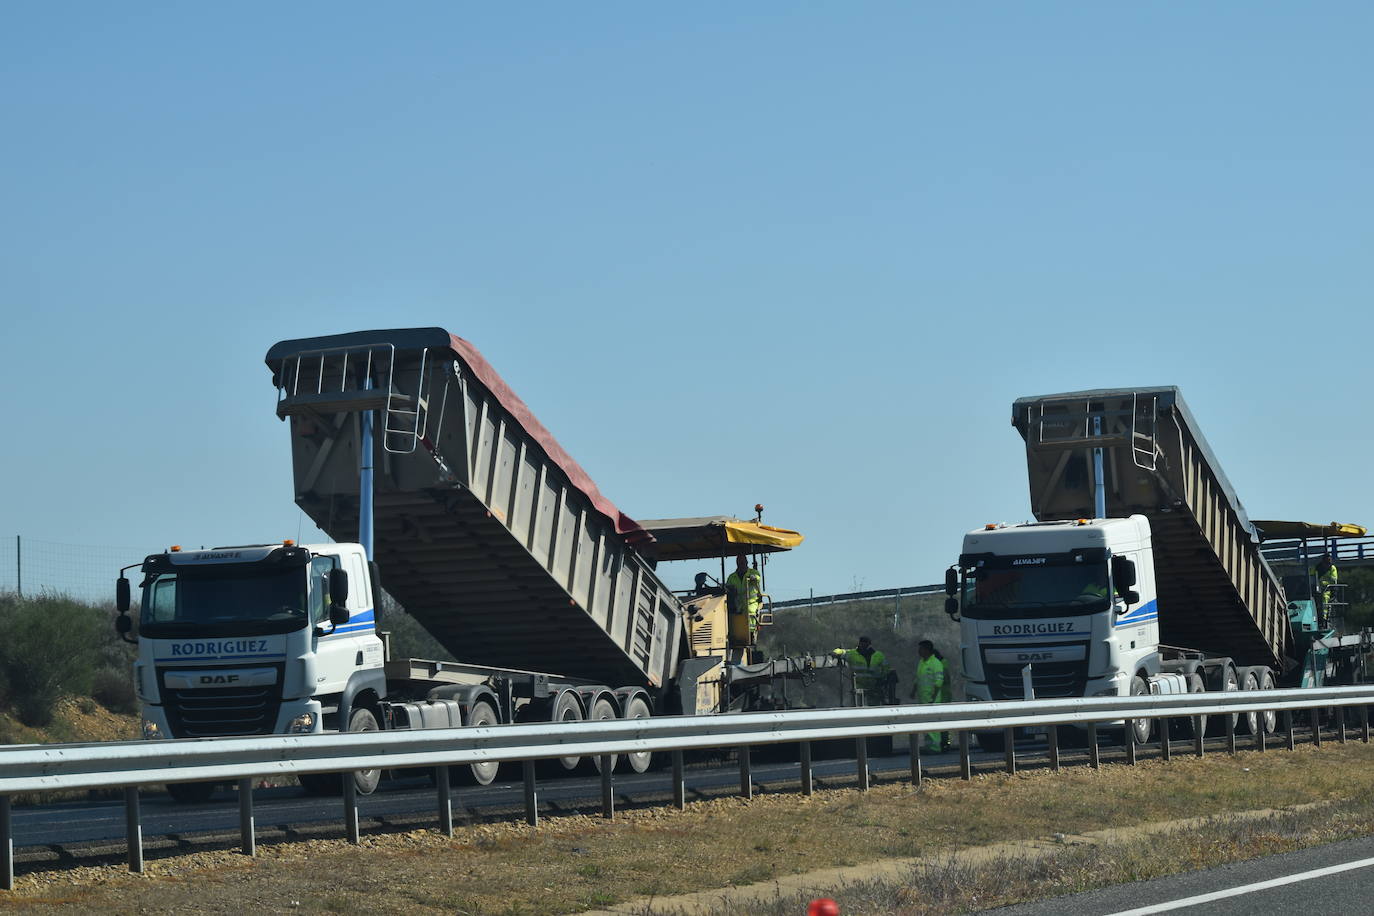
x: 1094, y: 755
x: 607, y: 788
x: 1130, y: 744
x: 1009, y: 750
x: 1259, y: 733
x: 1364, y: 723
x: 1289, y: 738
x: 1230, y: 734
x: 680, y: 782
x: 746, y: 774
x: 247, y: 835
x: 531, y: 793
x: 1165, y: 748
x: 965, y: 761
x: 913, y: 744
x: 861, y: 763
x: 1340, y: 723
x: 6, y: 845
x: 1199, y: 736
x: 444, y: 793
x: 350, y: 806
x: 1053, y: 735
x: 133, y: 829
x: 1316, y: 727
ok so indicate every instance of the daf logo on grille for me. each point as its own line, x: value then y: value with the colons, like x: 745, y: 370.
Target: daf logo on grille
x: 212, y: 679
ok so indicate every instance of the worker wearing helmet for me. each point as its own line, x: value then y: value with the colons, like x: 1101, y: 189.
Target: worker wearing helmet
x: 744, y: 593
x: 931, y: 686
x: 870, y: 668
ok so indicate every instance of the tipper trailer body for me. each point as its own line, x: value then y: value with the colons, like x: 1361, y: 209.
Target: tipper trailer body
x: 1142, y: 574
x: 438, y: 483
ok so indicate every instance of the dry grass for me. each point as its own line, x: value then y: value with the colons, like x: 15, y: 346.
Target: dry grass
x: 576, y: 863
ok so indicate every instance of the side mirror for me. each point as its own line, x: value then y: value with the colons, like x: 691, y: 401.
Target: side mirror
x: 1123, y: 572
x: 338, y: 587
x: 122, y: 601
x: 338, y: 614
x: 123, y: 625
x: 952, y: 606
x: 1131, y: 596
x: 951, y: 581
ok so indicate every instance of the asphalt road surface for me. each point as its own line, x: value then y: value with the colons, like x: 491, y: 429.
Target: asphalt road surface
x: 1335, y: 879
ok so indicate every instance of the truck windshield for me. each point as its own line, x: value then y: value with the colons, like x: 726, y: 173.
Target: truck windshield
x: 1036, y: 591
x: 225, y: 602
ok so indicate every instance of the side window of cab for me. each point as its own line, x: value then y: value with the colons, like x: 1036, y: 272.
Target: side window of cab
x: 319, y: 588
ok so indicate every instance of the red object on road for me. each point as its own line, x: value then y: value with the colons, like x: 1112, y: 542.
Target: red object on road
x: 823, y: 907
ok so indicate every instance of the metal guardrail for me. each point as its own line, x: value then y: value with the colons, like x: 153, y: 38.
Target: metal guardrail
x: 862, y: 596
x: 132, y: 764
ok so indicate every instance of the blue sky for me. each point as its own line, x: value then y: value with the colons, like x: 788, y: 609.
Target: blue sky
x: 798, y: 254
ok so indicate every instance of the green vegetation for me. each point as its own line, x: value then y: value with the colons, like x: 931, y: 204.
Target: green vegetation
x: 53, y: 646
x: 894, y: 625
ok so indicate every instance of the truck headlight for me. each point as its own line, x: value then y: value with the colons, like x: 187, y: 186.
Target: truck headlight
x: 1109, y: 692
x: 302, y: 724
x: 150, y: 730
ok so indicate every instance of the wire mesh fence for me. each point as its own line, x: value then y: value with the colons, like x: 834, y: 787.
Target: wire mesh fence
x: 83, y: 571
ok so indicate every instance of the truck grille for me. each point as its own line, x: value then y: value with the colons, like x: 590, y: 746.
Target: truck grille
x: 1051, y: 680
x: 220, y: 711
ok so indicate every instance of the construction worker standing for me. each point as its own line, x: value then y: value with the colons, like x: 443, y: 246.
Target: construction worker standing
x: 744, y: 593
x: 871, y: 670
x: 1327, y: 579
x: 931, y: 686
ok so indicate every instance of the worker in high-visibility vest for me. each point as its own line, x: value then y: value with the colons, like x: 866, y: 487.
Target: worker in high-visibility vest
x: 744, y: 593
x: 931, y: 686
x: 1327, y: 579
x: 871, y: 670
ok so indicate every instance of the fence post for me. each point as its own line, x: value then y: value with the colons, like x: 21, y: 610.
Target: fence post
x: 247, y: 835
x: 531, y: 793
x: 1289, y: 738
x: 1053, y: 736
x: 808, y: 786
x: 607, y: 787
x: 913, y: 744
x: 1165, y: 749
x: 861, y: 762
x: 6, y: 845
x: 1364, y: 723
x: 1230, y: 734
x: 1094, y: 755
x: 1316, y: 727
x: 350, y: 806
x: 965, y: 762
x: 746, y: 774
x: 680, y: 782
x: 1009, y: 750
x: 444, y: 792
x: 1130, y: 743
x: 133, y: 829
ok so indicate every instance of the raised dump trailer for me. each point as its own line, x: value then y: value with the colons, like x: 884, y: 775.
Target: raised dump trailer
x: 487, y: 531
x: 1215, y: 590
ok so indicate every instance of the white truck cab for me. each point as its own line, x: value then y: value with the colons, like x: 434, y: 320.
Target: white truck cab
x: 1073, y: 600
x: 255, y: 640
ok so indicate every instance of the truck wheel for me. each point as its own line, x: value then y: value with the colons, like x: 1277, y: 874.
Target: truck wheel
x: 1183, y: 727
x: 602, y: 710
x: 992, y: 742
x: 567, y: 708
x: 1269, y: 718
x: 484, y: 773
x: 1247, y: 723
x: 1221, y: 679
x: 364, y: 781
x: 639, y: 761
x: 190, y: 793
x: 1144, y: 728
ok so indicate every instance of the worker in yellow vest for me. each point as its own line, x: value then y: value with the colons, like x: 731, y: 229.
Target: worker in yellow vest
x: 871, y: 671
x: 744, y: 593
x: 931, y: 686
x: 1327, y: 579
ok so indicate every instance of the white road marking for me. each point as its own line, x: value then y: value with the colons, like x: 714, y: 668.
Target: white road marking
x: 1246, y: 889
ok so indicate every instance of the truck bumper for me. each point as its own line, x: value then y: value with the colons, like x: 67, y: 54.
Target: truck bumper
x: 292, y: 712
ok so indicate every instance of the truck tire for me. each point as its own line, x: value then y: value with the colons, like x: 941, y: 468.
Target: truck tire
x: 1247, y: 723
x: 638, y: 761
x: 363, y: 720
x: 484, y: 773
x: 566, y: 708
x: 1185, y: 728
x: 602, y: 709
x: 1144, y: 728
x: 992, y: 742
x: 1269, y: 718
x: 190, y: 793
x: 1221, y: 678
